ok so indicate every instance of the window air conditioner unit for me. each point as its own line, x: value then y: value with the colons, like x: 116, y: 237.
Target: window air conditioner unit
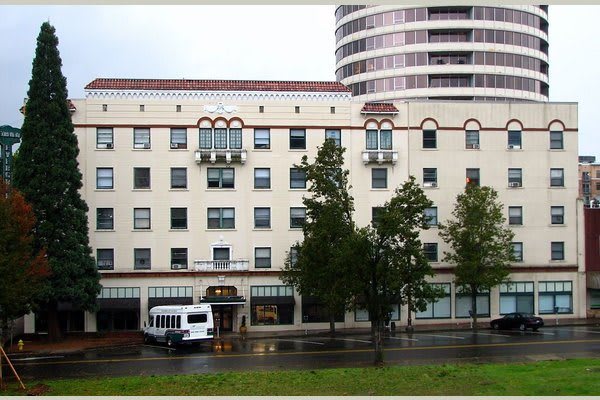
x: 475, y: 146
x: 514, y: 184
x: 146, y: 145
x: 174, y: 145
x: 514, y: 147
x: 430, y: 184
x: 177, y: 266
x: 109, y: 145
x: 138, y: 145
x: 102, y: 146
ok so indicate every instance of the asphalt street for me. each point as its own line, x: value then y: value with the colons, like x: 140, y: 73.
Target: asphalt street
x: 310, y: 352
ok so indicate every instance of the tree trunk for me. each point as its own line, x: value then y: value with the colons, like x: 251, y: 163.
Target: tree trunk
x: 474, y: 308
x: 409, y: 327
x: 378, y: 342
x: 54, y: 332
x: 332, y: 324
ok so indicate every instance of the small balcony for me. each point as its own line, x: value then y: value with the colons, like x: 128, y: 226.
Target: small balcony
x: 380, y: 156
x: 221, y: 265
x: 221, y: 155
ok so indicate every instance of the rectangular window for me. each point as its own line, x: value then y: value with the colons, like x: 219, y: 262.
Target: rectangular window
x: 262, y: 257
x: 555, y: 297
x: 105, y: 259
x: 298, y: 139
x: 385, y: 139
x: 556, y: 140
x: 335, y: 135
x: 379, y: 178
x: 267, y: 312
x: 178, y: 178
x: 293, y: 256
x: 221, y: 253
x: 431, y: 251
x: 262, y: 178
x: 429, y: 139
x: 141, y: 259
x: 514, y: 139
x: 441, y: 308
x: 473, y: 176
x: 178, y: 218
x: 557, y: 177
x: 558, y: 250
x: 221, y: 218
x: 262, y: 217
x: 517, y: 251
x: 297, y: 178
x: 372, y: 139
x: 104, y: 178
x: 472, y: 139
x: 104, y: 138
x: 141, y: 138
x: 179, y: 259
x: 464, y: 306
x: 220, y: 138
x: 141, y: 218
x: 205, y: 138
x: 235, y: 138
x: 430, y: 177
x: 262, y: 138
x: 178, y: 138
x: 557, y: 214
x: 515, y: 215
x: 516, y: 297
x: 104, y: 218
x: 220, y: 178
x: 297, y: 217
x: 141, y: 178
x: 515, y: 177
x: 431, y: 216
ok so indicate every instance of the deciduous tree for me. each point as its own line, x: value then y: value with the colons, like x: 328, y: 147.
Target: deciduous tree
x: 46, y: 172
x: 22, y: 269
x: 481, y: 243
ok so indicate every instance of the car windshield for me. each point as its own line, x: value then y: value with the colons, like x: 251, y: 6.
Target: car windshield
x: 527, y: 315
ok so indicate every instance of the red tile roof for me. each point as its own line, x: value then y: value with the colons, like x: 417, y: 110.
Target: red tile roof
x: 379, y: 108
x: 195, y: 84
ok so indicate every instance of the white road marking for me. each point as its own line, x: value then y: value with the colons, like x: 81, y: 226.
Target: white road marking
x: 443, y: 336
x: 574, y: 330
x: 402, y: 338
x: 490, y: 334
x: 158, y: 347
x: 301, y: 341
x: 354, y: 340
x: 36, y: 358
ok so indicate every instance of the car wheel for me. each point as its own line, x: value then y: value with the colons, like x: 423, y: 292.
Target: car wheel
x: 522, y: 327
x: 535, y: 329
x: 496, y: 326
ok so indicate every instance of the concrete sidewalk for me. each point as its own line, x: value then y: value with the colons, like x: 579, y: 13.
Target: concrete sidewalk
x: 75, y: 342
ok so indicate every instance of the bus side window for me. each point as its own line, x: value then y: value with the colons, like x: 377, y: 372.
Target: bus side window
x: 151, y: 322
x: 162, y: 321
x: 168, y: 321
x: 178, y: 323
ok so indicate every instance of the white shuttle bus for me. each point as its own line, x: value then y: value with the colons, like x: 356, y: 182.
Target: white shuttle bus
x: 179, y: 324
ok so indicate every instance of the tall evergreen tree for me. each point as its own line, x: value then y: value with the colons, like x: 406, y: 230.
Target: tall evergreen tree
x: 481, y: 243
x: 319, y: 269
x: 46, y: 172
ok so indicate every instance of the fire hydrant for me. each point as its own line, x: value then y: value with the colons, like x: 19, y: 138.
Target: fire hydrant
x: 20, y: 344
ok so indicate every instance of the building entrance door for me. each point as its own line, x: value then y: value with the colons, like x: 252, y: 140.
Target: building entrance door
x: 223, y: 316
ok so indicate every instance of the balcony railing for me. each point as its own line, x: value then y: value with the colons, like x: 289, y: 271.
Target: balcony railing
x: 380, y: 156
x: 221, y: 155
x: 221, y: 265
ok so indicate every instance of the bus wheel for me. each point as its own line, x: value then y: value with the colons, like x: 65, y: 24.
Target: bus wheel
x: 170, y: 342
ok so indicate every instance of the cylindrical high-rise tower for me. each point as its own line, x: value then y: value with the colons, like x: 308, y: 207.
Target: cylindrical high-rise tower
x: 446, y: 52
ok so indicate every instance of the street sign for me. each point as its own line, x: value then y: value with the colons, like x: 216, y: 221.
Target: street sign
x: 8, y: 137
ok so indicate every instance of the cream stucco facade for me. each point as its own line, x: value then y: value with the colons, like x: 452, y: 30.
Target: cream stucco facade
x: 108, y: 107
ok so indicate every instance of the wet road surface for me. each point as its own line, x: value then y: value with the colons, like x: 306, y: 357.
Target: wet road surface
x: 310, y: 352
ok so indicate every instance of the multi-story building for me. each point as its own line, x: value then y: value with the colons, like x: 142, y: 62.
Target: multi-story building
x: 193, y: 194
x: 589, y: 181
x: 390, y: 52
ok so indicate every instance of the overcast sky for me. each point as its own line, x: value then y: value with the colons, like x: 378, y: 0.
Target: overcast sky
x: 245, y: 42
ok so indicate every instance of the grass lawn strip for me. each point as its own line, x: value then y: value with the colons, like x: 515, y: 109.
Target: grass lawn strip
x: 543, y: 378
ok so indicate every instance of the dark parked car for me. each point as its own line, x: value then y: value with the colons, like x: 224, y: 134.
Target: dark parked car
x: 517, y: 320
